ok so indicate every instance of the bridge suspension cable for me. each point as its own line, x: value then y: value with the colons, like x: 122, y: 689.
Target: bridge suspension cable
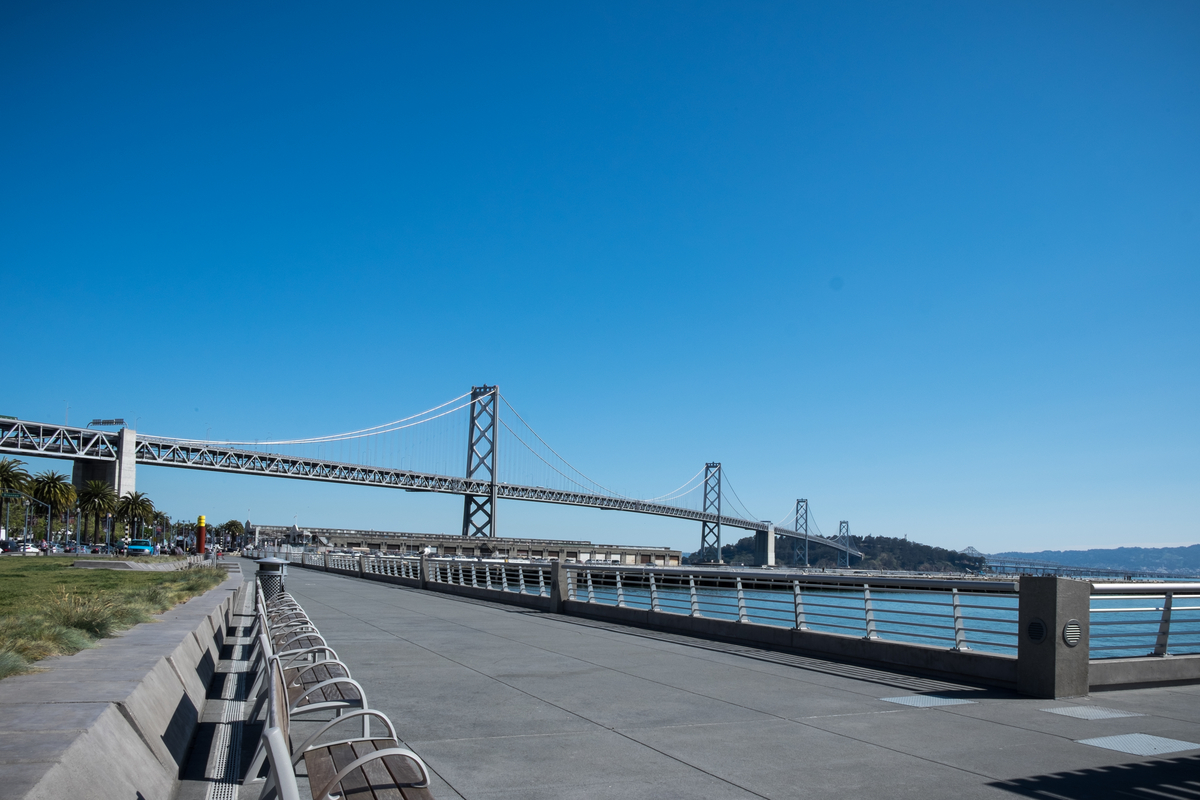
x: 388, y: 427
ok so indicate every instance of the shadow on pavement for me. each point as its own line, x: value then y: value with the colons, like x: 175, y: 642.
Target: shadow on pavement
x: 1169, y: 778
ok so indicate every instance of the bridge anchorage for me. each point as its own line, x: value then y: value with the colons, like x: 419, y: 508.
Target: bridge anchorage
x: 407, y: 454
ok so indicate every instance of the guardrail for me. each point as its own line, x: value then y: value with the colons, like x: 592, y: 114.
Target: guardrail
x: 1134, y: 619
x: 988, y: 629
x: 962, y: 615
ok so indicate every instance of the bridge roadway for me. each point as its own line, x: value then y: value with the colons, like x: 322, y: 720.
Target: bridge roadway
x: 504, y: 703
x: 21, y: 437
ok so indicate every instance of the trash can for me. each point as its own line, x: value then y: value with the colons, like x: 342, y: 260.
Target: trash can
x: 271, y: 575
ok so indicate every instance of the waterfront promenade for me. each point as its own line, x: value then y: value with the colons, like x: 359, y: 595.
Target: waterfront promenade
x: 507, y: 703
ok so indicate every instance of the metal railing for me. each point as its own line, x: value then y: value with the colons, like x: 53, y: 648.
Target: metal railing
x: 517, y: 578
x: 1130, y: 619
x: 959, y: 614
x: 396, y: 566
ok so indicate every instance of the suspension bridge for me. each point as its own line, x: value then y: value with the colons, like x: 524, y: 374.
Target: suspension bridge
x: 419, y: 454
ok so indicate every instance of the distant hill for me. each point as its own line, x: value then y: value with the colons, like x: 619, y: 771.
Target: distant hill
x: 1147, y: 559
x: 879, y: 552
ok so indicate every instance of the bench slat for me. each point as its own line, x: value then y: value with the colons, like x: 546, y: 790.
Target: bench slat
x: 377, y: 783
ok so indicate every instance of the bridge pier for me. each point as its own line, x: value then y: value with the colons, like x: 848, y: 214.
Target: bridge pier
x: 121, y: 474
x: 764, y: 547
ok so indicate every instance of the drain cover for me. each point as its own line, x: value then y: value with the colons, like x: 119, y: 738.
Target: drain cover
x: 1141, y: 744
x: 927, y: 701
x: 1092, y: 712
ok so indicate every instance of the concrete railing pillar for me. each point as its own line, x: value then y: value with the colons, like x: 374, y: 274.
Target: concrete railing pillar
x: 423, y: 576
x: 1052, y: 648
x: 558, y: 587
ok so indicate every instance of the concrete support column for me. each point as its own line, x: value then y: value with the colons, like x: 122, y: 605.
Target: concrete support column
x: 1052, y: 649
x: 764, y: 547
x: 424, y: 576
x: 126, y: 469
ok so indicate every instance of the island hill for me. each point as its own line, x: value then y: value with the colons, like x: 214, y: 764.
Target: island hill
x: 879, y: 552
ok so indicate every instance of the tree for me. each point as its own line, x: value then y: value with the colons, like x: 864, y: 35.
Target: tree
x: 97, y: 500
x: 55, y: 490
x: 13, y: 478
x: 135, y: 509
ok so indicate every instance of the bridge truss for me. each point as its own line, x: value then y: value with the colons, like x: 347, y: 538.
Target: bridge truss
x: 35, y: 439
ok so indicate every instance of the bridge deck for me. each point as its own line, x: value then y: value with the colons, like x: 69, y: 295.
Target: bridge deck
x: 504, y: 703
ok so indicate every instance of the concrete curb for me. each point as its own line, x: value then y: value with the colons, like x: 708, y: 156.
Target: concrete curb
x: 116, y: 721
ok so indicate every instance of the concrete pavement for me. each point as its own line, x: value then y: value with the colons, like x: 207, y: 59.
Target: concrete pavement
x: 506, y: 703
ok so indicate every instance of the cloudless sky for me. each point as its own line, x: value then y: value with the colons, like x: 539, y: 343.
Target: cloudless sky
x: 933, y: 266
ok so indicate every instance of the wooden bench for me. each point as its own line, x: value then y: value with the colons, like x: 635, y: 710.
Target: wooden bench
x: 363, y: 768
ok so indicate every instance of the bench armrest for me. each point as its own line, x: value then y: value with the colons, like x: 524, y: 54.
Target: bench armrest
x: 298, y: 654
x: 365, y: 713
x: 376, y: 756
x: 361, y: 692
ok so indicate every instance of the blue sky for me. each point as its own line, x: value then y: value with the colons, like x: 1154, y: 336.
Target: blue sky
x: 933, y: 267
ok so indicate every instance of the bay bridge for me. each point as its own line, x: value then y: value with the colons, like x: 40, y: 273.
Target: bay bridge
x: 417, y: 454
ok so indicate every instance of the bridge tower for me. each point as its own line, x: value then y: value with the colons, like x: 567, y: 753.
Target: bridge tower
x: 801, y: 527
x: 710, y: 532
x: 844, y: 538
x: 479, y: 511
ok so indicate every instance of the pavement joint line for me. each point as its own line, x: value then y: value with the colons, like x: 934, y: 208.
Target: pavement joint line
x: 574, y: 714
x: 644, y: 744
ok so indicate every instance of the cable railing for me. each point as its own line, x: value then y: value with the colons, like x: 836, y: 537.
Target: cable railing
x: 1131, y: 619
x: 961, y: 615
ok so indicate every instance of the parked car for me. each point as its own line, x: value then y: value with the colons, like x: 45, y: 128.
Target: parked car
x: 140, y: 547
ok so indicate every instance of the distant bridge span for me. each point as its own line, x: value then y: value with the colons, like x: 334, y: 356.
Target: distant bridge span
x: 112, y: 448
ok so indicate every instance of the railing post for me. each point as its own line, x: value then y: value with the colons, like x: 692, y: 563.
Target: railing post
x: 620, y: 591
x: 541, y: 582
x: 692, y: 596
x: 504, y: 577
x: 741, y: 602
x: 556, y: 587
x: 591, y: 592
x: 1164, y: 627
x: 521, y: 577
x: 474, y: 577
x: 960, y: 632
x: 1053, y: 629
x: 653, y: 594
x: 487, y: 575
x: 571, y: 593
x: 869, y: 613
x: 798, y: 602
x: 423, y: 574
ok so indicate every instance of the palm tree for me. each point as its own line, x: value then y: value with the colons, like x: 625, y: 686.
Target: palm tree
x: 55, y: 490
x: 13, y: 478
x: 96, y: 500
x: 135, y: 508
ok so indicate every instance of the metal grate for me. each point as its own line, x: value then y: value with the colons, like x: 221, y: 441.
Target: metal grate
x: 927, y: 701
x: 1091, y: 712
x: 1141, y: 744
x: 1072, y: 633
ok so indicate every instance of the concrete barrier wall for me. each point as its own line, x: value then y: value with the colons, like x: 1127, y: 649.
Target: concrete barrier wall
x: 988, y: 668
x: 1127, y: 673
x: 115, y: 721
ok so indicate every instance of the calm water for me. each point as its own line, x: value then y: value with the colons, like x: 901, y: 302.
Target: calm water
x: 989, y: 621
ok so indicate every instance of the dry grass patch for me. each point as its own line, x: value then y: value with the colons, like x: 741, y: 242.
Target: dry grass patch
x: 49, y: 609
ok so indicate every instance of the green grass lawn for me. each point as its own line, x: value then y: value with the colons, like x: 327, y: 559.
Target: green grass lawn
x: 48, y: 608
